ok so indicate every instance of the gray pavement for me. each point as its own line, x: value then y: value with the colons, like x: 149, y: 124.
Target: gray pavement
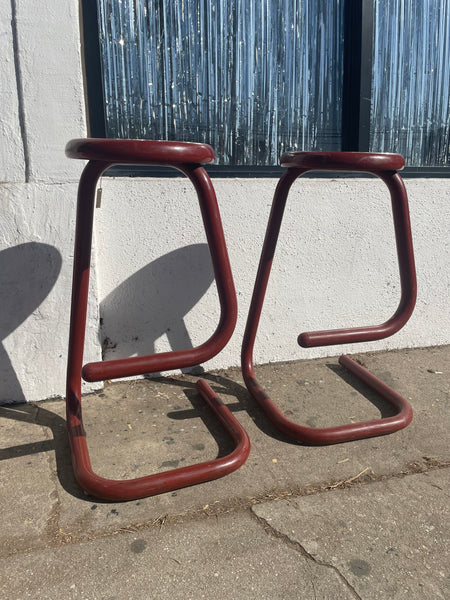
x: 365, y: 519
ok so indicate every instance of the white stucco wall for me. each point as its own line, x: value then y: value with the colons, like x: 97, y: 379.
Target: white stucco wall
x: 335, y: 265
x: 41, y: 88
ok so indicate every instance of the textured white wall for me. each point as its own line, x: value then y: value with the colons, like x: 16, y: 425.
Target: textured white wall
x: 335, y: 265
x: 41, y: 89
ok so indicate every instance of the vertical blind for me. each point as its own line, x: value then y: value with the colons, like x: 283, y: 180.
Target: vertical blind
x: 252, y: 79
x: 411, y: 80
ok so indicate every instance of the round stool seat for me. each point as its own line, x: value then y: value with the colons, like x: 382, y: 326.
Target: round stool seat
x: 148, y: 152
x: 343, y: 161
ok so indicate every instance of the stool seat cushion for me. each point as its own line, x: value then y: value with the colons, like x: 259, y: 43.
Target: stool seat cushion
x: 146, y: 152
x: 343, y: 161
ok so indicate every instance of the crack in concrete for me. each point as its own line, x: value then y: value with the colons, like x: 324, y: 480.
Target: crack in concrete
x: 295, y: 545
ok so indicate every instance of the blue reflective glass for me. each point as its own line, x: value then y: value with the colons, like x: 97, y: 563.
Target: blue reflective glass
x: 411, y: 80
x: 253, y: 79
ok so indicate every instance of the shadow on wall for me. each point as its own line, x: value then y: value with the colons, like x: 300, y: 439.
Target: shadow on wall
x: 153, y: 302
x: 27, y: 274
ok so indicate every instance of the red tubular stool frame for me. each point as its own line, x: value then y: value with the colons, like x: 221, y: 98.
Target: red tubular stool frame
x: 186, y: 157
x: 385, y: 166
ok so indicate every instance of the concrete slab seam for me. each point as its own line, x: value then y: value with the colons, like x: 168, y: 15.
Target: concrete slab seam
x: 56, y: 537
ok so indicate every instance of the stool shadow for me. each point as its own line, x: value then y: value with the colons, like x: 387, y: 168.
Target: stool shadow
x: 386, y: 409
x: 28, y: 272
x: 153, y: 302
x: 224, y: 386
x: 59, y: 443
x: 36, y: 414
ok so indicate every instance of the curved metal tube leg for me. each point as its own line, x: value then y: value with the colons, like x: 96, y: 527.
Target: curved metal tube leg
x: 183, y: 157
x: 299, y: 163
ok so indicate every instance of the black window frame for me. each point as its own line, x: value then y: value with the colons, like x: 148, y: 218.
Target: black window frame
x: 356, y: 102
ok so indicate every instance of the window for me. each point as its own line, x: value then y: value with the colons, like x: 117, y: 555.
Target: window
x: 410, y: 110
x: 255, y: 79
x: 250, y: 78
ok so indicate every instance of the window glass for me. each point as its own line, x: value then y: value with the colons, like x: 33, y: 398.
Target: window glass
x: 411, y: 80
x: 252, y: 79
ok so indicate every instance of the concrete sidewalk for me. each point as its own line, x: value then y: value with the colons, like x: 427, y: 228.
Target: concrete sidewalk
x: 366, y: 519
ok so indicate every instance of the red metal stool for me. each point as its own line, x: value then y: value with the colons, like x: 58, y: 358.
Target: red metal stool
x: 385, y: 166
x: 188, y: 158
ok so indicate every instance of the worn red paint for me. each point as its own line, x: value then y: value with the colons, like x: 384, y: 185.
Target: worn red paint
x: 186, y: 157
x: 385, y: 166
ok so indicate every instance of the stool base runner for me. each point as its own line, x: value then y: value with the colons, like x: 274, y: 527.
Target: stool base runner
x: 344, y: 433
x: 132, y: 489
